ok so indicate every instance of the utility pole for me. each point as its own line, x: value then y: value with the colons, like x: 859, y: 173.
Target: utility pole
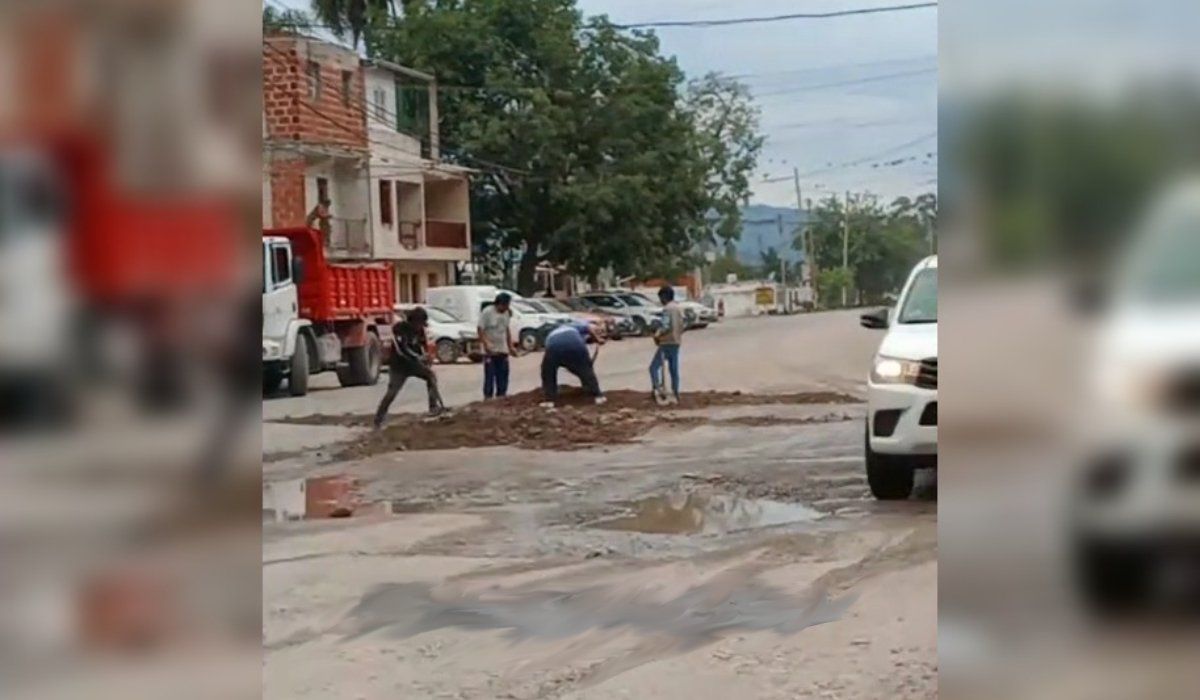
x: 809, y: 267
x: 782, y: 263
x: 845, y: 245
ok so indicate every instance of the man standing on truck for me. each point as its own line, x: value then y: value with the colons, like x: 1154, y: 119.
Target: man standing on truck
x: 496, y: 336
x: 409, y: 359
x: 566, y: 346
x: 322, y: 219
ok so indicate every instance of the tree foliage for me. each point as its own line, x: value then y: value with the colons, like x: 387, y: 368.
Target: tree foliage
x: 276, y: 21
x: 353, y: 18
x: 590, y: 150
x: 881, y: 244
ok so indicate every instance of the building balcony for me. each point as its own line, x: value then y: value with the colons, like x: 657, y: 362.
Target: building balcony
x: 348, y: 237
x: 446, y: 234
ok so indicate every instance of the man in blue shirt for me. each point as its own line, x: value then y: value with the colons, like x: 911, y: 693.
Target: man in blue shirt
x: 566, y: 347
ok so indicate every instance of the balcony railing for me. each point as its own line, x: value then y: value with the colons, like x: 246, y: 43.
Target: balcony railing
x: 348, y: 237
x: 445, y: 234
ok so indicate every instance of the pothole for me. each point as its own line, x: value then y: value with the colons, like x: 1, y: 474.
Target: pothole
x: 706, y: 514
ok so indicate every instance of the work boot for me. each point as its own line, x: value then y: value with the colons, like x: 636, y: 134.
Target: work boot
x: 548, y: 405
x: 601, y: 400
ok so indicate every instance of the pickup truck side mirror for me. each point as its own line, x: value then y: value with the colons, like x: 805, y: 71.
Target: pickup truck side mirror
x: 874, y: 319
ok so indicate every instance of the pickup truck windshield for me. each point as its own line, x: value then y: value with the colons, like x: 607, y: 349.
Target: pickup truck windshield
x: 920, y: 304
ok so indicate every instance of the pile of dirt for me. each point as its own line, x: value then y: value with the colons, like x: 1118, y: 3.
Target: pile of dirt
x: 576, y: 424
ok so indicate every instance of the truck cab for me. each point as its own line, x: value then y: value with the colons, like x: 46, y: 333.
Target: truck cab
x: 283, y: 329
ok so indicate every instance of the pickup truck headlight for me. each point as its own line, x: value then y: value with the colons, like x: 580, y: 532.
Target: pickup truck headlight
x: 893, y: 370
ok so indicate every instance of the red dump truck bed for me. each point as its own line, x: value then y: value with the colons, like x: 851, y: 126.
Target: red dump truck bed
x: 337, y: 291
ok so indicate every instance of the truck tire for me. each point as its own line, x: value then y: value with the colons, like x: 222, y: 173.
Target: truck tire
x: 528, y: 340
x: 1113, y: 578
x: 362, y: 364
x: 298, y: 369
x: 889, y: 476
x: 446, y: 351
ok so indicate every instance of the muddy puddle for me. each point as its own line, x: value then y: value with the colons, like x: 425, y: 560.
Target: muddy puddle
x: 706, y: 514
x: 317, y: 498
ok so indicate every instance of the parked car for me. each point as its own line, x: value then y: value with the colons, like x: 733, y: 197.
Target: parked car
x: 901, y: 425
x: 468, y: 301
x: 606, y: 322
x: 535, y: 323
x: 643, y: 315
x: 623, y: 326
x: 697, y: 314
x: 450, y: 338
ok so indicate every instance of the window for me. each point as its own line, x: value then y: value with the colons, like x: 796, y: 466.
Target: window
x: 385, y: 202
x: 347, y: 87
x: 322, y: 190
x: 313, y: 71
x: 431, y: 280
x: 920, y: 304
x: 416, y: 287
x: 281, y: 266
x: 379, y: 102
x: 606, y: 302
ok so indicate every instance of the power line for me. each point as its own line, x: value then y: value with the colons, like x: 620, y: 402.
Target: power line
x: 856, y: 162
x: 695, y: 23
x: 842, y: 83
x: 774, y: 18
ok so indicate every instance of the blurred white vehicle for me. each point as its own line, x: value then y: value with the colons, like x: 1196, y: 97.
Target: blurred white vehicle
x: 1136, y: 506
x: 901, y: 426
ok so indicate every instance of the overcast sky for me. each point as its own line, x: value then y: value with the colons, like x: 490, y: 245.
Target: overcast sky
x: 842, y: 99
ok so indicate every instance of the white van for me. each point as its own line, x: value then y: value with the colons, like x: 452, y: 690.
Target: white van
x: 463, y: 301
x: 468, y: 301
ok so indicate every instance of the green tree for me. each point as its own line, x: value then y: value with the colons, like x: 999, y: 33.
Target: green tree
x: 727, y: 123
x: 882, y: 244
x: 771, y: 262
x: 353, y: 18
x: 589, y: 150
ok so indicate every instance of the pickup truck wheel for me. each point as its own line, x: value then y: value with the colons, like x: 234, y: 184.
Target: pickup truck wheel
x: 363, y: 364
x: 298, y: 369
x: 1113, y: 578
x: 889, y: 476
x: 446, y: 351
x: 528, y: 340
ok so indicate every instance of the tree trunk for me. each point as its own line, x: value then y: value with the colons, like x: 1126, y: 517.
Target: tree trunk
x: 526, y: 279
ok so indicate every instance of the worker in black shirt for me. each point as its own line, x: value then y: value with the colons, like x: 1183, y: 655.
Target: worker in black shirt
x: 409, y: 359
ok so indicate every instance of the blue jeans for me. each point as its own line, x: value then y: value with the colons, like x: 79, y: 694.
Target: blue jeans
x: 574, y: 359
x: 669, y: 353
x: 495, y: 376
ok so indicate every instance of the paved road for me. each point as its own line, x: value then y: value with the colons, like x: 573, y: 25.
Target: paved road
x: 725, y: 558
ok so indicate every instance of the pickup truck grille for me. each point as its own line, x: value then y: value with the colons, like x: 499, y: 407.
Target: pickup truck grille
x: 927, y: 375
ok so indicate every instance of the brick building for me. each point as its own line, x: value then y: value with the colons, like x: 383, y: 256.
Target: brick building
x: 362, y: 134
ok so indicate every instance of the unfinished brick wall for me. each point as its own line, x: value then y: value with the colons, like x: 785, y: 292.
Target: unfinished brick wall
x: 288, y: 207
x: 293, y: 113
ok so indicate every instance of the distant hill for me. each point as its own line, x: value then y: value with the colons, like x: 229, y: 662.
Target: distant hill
x: 760, y: 231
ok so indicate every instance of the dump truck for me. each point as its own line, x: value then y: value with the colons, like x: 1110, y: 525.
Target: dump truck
x: 320, y: 315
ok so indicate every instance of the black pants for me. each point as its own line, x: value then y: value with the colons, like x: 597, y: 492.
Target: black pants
x: 398, y: 373
x: 576, y: 361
